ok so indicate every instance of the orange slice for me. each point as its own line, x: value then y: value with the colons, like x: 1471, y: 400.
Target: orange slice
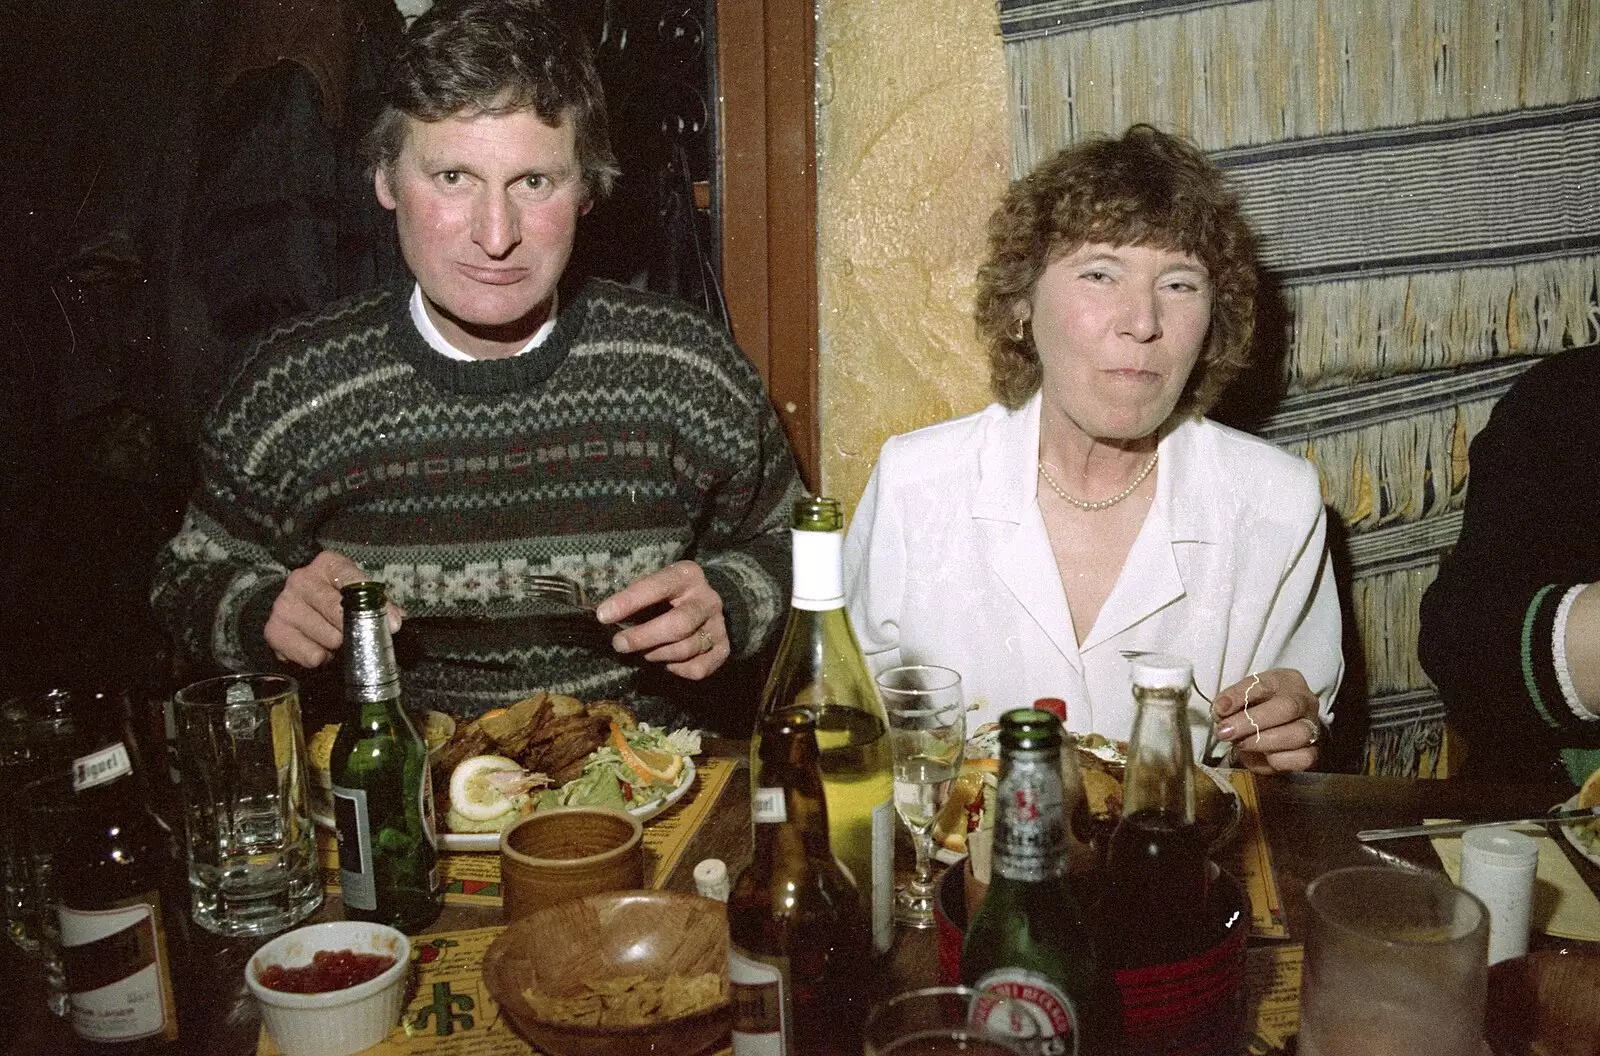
x: 651, y: 765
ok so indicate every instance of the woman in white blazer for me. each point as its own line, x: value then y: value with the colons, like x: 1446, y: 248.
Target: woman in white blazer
x: 1092, y: 510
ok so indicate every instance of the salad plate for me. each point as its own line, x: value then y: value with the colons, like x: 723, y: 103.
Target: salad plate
x: 490, y: 841
x: 1584, y: 837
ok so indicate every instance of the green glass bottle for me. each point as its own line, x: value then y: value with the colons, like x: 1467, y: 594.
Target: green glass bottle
x: 1028, y: 949
x: 382, y: 791
x: 797, y: 937
x: 819, y: 666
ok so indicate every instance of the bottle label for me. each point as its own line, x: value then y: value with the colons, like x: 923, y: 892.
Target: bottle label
x: 883, y: 876
x: 1021, y: 1004
x: 119, y: 971
x: 101, y: 768
x: 759, y: 989
x: 358, y: 879
x: 1029, y: 835
x: 769, y: 807
x: 818, y: 570
x: 429, y: 829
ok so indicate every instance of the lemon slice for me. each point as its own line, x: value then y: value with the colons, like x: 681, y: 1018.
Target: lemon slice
x: 473, y: 793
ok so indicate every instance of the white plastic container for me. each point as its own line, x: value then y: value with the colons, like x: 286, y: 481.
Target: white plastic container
x: 339, y: 1022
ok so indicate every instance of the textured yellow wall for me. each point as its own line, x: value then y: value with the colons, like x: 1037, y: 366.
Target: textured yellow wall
x: 912, y: 155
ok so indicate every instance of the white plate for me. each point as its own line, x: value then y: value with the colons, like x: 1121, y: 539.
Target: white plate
x: 1572, y: 837
x: 490, y: 841
x: 1225, y: 832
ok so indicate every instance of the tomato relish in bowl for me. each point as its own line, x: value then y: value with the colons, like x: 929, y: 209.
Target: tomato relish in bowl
x: 329, y: 970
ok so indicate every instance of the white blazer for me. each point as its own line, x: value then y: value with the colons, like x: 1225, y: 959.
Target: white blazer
x: 947, y: 562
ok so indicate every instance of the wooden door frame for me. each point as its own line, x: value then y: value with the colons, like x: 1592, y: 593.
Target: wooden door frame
x: 766, y: 55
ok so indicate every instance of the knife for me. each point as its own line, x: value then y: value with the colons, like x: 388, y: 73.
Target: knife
x: 1446, y: 828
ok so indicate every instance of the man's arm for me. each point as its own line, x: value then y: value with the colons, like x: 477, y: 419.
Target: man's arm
x: 738, y: 480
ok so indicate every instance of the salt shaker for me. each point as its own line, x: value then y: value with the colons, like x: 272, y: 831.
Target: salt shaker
x: 711, y: 879
x: 1498, y: 866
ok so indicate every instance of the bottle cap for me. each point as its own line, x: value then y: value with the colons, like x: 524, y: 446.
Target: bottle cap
x: 1054, y: 705
x: 1162, y: 671
x: 711, y: 879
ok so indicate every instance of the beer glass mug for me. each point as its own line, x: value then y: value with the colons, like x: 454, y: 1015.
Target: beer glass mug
x: 1396, y: 962
x: 930, y: 1021
x: 927, y: 732
x: 251, y: 844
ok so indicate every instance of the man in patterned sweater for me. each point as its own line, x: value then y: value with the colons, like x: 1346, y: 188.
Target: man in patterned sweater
x: 455, y: 437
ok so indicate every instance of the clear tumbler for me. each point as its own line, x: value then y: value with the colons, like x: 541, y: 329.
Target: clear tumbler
x: 1396, y: 964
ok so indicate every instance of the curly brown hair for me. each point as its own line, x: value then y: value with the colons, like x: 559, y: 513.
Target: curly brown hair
x: 496, y: 57
x: 1146, y: 189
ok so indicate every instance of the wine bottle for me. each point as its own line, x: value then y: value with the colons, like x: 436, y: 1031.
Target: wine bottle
x: 819, y: 666
x: 382, y: 790
x: 1029, y: 950
x: 124, y: 905
x: 797, y: 935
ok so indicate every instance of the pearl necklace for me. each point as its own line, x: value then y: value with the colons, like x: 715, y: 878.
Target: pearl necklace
x: 1103, y: 504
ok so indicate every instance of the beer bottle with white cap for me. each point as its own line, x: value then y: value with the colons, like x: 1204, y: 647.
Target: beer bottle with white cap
x: 382, y: 790
x: 1157, y: 875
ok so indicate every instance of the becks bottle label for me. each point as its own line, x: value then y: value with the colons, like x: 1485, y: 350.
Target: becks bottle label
x: 1025, y: 1005
x: 118, y: 972
x: 358, y: 876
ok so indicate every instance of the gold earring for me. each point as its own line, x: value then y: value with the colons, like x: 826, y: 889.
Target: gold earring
x: 1019, y: 332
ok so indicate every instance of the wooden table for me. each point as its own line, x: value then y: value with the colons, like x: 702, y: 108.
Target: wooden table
x: 1310, y: 823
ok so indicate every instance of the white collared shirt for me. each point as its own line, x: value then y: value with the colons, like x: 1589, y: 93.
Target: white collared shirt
x: 430, y: 333
x: 947, y: 562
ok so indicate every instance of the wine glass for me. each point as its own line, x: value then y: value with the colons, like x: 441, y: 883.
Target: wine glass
x: 927, y: 731
x: 933, y: 1020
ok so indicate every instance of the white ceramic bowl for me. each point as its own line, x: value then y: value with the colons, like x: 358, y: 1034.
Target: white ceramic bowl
x: 339, y: 1022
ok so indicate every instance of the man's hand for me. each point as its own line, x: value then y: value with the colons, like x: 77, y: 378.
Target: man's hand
x: 1279, y: 731
x: 690, y: 638
x: 307, y: 620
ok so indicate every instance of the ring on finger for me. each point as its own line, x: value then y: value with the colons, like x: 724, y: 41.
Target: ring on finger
x: 1313, y: 728
x: 707, y: 643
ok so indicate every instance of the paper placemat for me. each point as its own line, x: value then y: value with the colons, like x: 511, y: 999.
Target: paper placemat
x: 473, y: 877
x: 1563, y: 905
x: 1249, y: 859
x: 1272, y: 996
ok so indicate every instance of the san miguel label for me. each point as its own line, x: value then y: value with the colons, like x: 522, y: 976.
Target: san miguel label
x: 118, y: 972
x: 1026, y: 1006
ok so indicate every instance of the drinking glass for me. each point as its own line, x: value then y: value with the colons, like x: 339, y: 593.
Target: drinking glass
x: 927, y: 731
x: 1396, y: 963
x: 931, y: 1021
x: 252, y: 848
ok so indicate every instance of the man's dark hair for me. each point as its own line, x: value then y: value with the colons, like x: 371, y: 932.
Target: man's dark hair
x: 466, y: 57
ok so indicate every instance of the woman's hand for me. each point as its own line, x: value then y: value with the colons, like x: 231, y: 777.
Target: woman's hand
x: 1279, y: 730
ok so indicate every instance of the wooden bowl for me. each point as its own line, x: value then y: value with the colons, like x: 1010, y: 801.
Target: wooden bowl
x: 1545, y: 1004
x: 568, y: 852
x: 653, y: 933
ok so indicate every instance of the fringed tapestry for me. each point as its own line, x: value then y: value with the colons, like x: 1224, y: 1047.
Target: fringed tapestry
x: 1425, y: 179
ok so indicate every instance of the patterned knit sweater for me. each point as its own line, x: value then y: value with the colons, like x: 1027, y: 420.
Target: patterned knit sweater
x: 635, y: 436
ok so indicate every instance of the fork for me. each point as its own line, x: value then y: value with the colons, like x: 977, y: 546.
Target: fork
x: 1211, y: 727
